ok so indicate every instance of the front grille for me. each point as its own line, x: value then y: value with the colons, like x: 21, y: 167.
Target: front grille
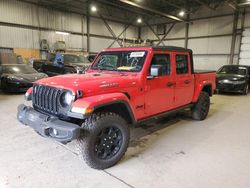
x: 230, y: 87
x: 46, y: 98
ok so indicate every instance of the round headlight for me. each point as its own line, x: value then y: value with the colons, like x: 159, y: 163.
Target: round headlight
x: 66, y: 99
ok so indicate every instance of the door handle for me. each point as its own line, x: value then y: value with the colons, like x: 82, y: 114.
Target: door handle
x: 170, y: 84
x: 187, y: 81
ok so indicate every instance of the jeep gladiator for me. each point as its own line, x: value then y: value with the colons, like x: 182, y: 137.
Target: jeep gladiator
x: 123, y: 87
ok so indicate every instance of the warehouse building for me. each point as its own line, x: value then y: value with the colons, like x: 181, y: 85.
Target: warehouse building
x: 52, y: 54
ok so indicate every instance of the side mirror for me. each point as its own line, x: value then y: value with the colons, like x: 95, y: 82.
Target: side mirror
x: 157, y: 70
x: 80, y: 70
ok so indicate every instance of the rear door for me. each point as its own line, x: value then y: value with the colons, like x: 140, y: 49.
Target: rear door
x: 184, y: 79
x: 159, y: 93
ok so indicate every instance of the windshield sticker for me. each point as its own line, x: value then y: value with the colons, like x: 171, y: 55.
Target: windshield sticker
x: 125, y: 68
x: 137, y: 54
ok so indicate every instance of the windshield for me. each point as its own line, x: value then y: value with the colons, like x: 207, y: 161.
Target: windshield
x: 233, y: 70
x: 75, y: 59
x: 131, y: 61
x: 71, y: 58
x: 18, y: 69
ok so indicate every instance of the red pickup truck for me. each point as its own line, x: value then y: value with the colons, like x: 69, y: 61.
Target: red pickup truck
x: 123, y: 87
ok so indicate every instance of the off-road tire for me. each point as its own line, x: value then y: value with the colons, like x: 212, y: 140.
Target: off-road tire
x: 201, y: 107
x: 91, y: 130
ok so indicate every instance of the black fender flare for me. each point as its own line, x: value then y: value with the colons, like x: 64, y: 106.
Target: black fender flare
x: 118, y: 102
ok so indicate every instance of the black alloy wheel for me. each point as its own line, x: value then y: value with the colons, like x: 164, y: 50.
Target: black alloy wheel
x: 205, y: 107
x: 104, y: 139
x: 108, y: 142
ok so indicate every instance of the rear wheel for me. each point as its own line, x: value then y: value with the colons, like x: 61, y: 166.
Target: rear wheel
x: 201, y: 108
x: 104, y: 140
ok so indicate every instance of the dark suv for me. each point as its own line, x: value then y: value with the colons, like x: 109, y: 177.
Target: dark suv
x: 72, y: 63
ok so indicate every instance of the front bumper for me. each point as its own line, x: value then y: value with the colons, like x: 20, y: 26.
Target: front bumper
x: 17, y: 87
x: 230, y: 87
x: 48, y: 126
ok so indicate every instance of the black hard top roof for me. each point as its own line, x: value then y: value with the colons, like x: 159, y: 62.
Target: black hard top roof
x: 168, y: 48
x: 171, y: 48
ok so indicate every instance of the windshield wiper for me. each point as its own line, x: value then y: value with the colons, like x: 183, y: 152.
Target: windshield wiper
x: 103, y: 69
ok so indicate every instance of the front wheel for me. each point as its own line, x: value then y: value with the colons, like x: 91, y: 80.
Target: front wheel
x: 104, y: 140
x: 201, y: 108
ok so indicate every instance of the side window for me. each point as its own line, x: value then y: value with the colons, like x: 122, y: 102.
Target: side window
x: 162, y: 60
x: 181, y: 64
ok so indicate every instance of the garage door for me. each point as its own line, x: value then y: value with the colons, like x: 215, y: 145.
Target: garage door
x: 245, y: 48
x: 6, y: 50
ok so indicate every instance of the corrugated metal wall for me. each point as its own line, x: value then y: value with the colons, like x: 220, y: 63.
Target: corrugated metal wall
x: 28, y: 14
x: 210, y: 50
x: 247, y: 19
x: 245, y: 48
x: 16, y: 12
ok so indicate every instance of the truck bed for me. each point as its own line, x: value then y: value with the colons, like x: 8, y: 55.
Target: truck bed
x: 204, y: 77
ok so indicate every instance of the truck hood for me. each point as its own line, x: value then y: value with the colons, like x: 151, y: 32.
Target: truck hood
x: 27, y: 77
x: 231, y: 77
x: 91, y: 83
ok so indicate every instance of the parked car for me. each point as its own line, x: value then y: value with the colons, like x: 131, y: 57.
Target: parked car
x: 233, y: 78
x: 18, y: 78
x: 72, y: 63
x: 123, y: 87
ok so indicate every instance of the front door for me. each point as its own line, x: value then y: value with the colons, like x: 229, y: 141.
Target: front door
x: 184, y: 79
x: 159, y: 91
